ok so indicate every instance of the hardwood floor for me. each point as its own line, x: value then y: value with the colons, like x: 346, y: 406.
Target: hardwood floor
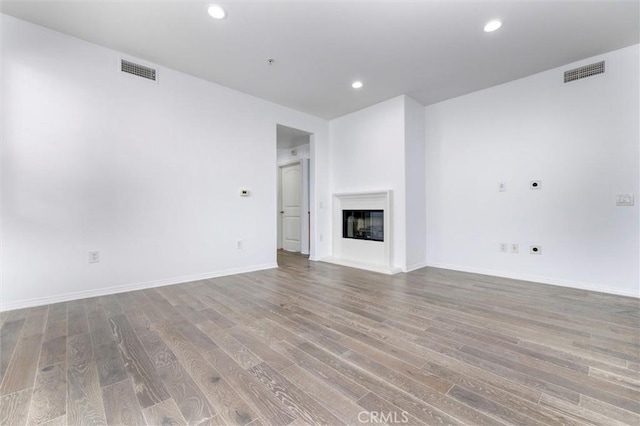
x: 313, y: 343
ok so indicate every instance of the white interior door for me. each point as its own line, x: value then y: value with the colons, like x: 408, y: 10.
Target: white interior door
x: 291, y: 190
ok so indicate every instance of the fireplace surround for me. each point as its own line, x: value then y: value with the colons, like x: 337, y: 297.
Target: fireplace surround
x: 361, y: 231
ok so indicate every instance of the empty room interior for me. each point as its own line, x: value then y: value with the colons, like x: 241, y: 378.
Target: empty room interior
x: 318, y: 212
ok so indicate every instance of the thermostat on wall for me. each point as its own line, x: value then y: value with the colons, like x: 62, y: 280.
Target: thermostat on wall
x: 244, y: 192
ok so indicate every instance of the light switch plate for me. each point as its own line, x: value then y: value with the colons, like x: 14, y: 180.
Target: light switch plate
x: 624, y: 200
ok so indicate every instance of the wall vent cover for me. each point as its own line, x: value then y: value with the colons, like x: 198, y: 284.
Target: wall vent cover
x: 584, y: 72
x: 139, y: 70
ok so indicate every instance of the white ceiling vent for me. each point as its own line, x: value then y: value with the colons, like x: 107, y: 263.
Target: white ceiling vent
x: 139, y: 70
x: 584, y: 72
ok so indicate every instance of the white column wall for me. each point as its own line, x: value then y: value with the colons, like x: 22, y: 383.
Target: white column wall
x: 368, y: 154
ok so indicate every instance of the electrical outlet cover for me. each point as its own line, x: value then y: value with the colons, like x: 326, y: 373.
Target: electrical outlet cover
x: 624, y: 200
x: 515, y: 248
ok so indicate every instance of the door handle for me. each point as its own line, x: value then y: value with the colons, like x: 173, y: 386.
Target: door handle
x: 282, y: 211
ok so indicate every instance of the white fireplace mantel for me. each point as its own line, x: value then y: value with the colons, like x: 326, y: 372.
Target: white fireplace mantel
x: 364, y: 254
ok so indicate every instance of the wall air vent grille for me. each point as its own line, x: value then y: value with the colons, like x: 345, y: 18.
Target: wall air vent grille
x: 584, y: 72
x: 139, y: 70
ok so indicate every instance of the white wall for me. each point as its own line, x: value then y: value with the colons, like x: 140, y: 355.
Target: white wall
x: 367, y: 154
x: 320, y: 195
x: 148, y: 174
x: 416, y: 216
x: 581, y: 139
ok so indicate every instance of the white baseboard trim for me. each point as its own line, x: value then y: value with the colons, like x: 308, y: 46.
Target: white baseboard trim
x: 415, y: 267
x: 538, y: 279
x: 29, y: 303
x: 361, y: 265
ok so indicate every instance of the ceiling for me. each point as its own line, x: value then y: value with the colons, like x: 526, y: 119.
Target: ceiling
x: 429, y: 50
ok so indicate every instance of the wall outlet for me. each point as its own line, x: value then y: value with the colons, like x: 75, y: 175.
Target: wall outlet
x: 504, y: 247
x: 239, y: 244
x: 535, y: 184
x: 624, y: 200
x: 94, y: 256
x: 502, y: 186
x: 515, y: 248
x: 535, y: 250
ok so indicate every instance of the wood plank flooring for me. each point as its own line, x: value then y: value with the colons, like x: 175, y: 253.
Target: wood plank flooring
x: 313, y: 343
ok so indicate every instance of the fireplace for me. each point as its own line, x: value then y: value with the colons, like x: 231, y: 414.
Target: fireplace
x: 363, y: 224
x: 362, y: 231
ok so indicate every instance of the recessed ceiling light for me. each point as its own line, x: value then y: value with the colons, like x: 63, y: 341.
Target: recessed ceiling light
x: 492, y: 26
x: 357, y: 84
x: 216, y: 12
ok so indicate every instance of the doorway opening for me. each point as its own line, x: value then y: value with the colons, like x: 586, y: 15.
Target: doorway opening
x: 294, y: 162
